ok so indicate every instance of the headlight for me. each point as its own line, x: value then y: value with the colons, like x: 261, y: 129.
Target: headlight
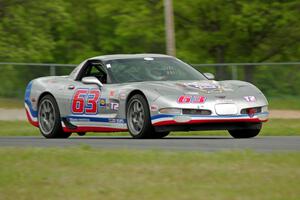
x: 251, y: 110
x: 176, y: 111
x: 264, y: 109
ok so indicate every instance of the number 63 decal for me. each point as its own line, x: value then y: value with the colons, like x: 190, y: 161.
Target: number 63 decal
x: 85, y: 101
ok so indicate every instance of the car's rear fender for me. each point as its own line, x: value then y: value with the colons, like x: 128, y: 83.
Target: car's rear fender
x: 38, y: 88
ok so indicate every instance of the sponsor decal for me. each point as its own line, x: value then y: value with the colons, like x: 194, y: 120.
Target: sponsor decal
x: 202, y: 86
x: 194, y: 85
x: 102, y: 102
x: 191, y: 99
x: 154, y: 108
x: 112, y: 93
x: 224, y: 100
x: 85, y: 101
x: 114, y: 106
x: 79, y: 119
x: 116, y: 120
x: 122, y: 95
x: 250, y: 98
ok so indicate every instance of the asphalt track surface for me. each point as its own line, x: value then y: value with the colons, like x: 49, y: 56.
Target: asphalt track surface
x: 199, y: 143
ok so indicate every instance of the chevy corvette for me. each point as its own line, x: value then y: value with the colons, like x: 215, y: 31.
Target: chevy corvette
x: 148, y: 95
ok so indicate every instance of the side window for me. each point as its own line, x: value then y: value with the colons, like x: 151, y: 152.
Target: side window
x: 96, y: 71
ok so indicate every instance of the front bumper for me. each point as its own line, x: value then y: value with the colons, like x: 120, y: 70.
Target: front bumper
x: 190, y: 122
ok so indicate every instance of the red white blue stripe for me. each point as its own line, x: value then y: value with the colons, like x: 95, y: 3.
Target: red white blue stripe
x: 164, y: 119
x: 30, y: 112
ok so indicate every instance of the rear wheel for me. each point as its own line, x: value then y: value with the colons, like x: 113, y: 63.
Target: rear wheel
x: 138, y: 117
x: 244, y: 133
x: 49, y: 118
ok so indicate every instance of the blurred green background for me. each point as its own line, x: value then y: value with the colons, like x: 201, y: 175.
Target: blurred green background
x: 207, y: 31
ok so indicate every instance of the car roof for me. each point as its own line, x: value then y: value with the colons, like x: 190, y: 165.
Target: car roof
x: 126, y: 56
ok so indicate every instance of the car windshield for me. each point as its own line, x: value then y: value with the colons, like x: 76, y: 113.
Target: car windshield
x: 151, y: 69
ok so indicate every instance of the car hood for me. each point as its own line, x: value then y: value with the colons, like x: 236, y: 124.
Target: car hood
x: 205, y: 87
x: 167, y: 93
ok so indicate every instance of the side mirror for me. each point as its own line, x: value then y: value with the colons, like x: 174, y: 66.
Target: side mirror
x: 91, y: 80
x: 209, y: 76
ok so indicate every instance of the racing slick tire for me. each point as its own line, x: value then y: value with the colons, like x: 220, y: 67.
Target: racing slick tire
x: 159, y: 135
x: 81, y: 133
x: 49, y: 118
x: 244, y: 133
x: 138, y: 118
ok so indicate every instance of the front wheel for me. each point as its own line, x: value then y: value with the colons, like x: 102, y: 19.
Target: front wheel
x: 244, y: 133
x: 49, y: 118
x: 160, y: 135
x: 138, y: 117
x: 81, y: 133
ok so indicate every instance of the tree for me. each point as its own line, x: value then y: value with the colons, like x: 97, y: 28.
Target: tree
x: 218, y: 31
x: 207, y: 31
x: 28, y: 31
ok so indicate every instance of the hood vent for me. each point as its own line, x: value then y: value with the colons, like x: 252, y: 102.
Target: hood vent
x: 195, y: 112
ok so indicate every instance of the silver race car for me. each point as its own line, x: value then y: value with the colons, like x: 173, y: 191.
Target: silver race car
x: 148, y: 95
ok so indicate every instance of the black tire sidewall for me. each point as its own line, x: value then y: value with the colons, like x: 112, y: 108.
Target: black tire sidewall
x: 57, y: 131
x: 159, y: 135
x: 244, y: 133
x: 147, y: 129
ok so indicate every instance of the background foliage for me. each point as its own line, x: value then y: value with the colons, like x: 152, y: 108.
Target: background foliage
x: 207, y: 31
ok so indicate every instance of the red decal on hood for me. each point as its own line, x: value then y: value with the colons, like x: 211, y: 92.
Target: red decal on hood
x: 191, y: 99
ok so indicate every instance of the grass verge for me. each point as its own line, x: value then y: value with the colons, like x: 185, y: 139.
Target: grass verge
x: 11, y: 103
x: 275, y: 127
x: 87, y: 173
x: 284, y: 103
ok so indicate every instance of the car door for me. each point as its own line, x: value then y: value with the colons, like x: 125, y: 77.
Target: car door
x: 87, y: 102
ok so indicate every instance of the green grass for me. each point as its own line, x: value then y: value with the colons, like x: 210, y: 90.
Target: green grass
x: 275, y: 127
x: 284, y: 103
x: 87, y: 173
x: 17, y: 128
x: 11, y: 103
